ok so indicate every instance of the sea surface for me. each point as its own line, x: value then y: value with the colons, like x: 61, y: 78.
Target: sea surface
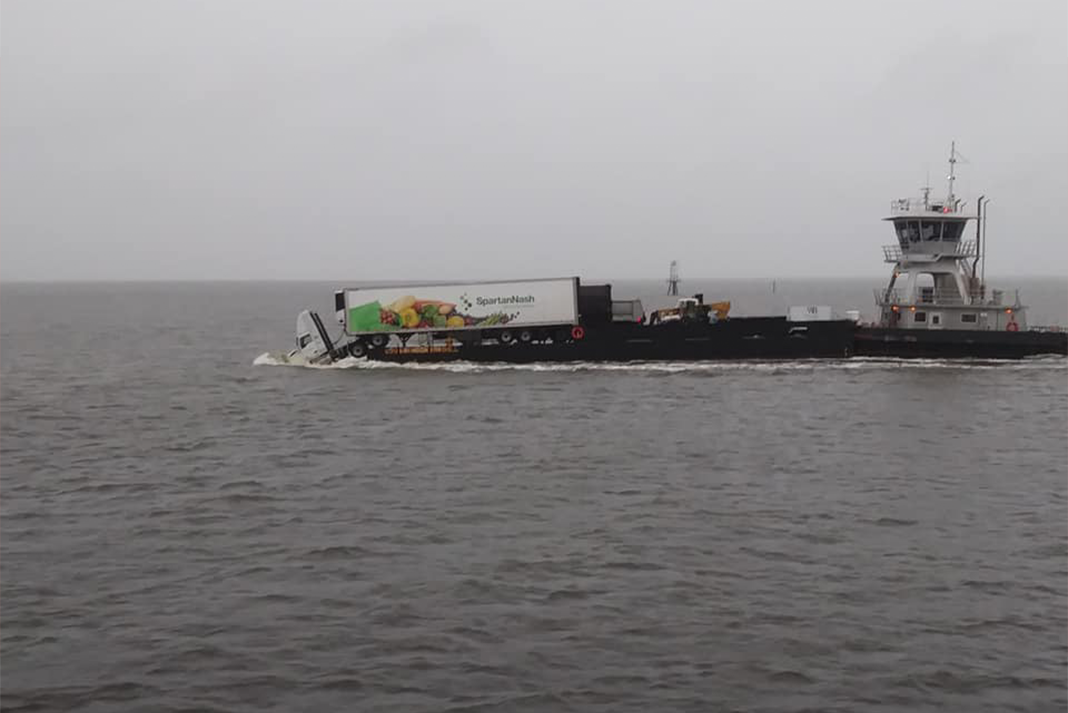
x: 185, y: 527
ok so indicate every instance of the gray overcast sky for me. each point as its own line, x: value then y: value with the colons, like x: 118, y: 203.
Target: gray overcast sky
x: 410, y: 140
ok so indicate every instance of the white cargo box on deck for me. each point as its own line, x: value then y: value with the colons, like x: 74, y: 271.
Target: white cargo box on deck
x: 810, y: 313
x: 627, y: 310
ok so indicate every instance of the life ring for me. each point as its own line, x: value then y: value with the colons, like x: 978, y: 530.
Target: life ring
x: 578, y: 333
x: 1012, y: 327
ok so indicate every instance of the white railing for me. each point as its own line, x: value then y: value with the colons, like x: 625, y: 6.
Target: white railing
x: 930, y: 251
x: 913, y: 206
x: 893, y: 253
x: 932, y: 297
x: 929, y: 296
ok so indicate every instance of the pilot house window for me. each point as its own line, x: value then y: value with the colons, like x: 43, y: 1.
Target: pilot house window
x: 902, y: 232
x: 931, y: 230
x: 920, y: 317
x: 914, y: 231
x: 908, y: 231
x: 952, y: 229
x: 970, y: 318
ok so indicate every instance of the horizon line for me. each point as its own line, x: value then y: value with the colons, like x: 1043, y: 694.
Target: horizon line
x: 207, y: 280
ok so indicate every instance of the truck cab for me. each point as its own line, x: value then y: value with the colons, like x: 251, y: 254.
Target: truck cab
x: 313, y: 343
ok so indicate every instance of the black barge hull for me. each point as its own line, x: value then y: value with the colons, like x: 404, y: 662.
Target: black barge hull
x: 753, y: 338
x: 736, y: 338
x: 957, y: 343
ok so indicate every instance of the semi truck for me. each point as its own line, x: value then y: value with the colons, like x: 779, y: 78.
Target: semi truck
x: 379, y: 318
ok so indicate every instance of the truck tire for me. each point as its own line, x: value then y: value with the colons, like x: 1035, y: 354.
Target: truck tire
x: 526, y: 336
x: 357, y: 349
x: 506, y: 336
x: 379, y: 340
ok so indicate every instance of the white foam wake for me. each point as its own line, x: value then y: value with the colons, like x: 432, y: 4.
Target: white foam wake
x: 269, y: 359
x: 673, y: 367
x: 283, y: 359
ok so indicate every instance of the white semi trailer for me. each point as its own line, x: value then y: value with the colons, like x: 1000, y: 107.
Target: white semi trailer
x: 376, y: 318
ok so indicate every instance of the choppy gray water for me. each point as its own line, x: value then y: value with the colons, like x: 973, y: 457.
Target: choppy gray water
x: 182, y: 530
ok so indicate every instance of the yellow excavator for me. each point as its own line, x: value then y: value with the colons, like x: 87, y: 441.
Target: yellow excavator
x: 692, y: 309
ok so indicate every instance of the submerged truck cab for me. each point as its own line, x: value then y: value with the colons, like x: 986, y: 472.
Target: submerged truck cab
x: 313, y: 343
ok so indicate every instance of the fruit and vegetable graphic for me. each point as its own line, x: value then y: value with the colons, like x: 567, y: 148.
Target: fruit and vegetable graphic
x: 410, y: 313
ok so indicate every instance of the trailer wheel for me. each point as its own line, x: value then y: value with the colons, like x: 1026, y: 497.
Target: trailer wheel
x: 379, y: 340
x: 505, y: 336
x: 357, y: 349
x: 526, y: 336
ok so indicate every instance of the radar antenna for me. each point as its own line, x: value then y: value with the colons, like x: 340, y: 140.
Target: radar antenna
x: 673, y: 279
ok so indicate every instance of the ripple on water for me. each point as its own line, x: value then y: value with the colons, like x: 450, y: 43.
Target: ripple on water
x: 183, y: 531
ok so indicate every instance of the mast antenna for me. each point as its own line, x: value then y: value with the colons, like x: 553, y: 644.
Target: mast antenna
x: 673, y: 279
x: 954, y: 156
